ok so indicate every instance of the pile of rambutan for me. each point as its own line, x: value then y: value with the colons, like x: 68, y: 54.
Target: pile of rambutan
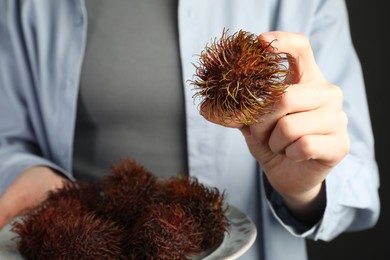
x: 127, y: 214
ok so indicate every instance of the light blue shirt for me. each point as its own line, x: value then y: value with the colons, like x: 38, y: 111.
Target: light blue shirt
x: 41, y: 51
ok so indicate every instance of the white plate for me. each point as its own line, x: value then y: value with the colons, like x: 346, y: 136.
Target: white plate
x: 8, y: 249
x: 237, y: 241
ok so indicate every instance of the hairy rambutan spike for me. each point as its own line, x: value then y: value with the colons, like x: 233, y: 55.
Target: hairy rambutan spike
x: 127, y: 214
x: 164, y: 231
x: 65, y: 230
x: 126, y: 191
x: 239, y: 78
x: 127, y: 174
x: 86, y: 194
x: 205, y: 204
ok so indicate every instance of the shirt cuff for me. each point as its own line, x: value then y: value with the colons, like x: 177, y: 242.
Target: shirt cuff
x: 11, y: 168
x: 296, y: 226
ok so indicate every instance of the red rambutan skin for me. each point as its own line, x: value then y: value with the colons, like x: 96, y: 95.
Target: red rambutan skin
x: 63, y: 228
x: 127, y: 214
x: 205, y: 204
x: 239, y: 78
x: 126, y: 191
x: 164, y: 231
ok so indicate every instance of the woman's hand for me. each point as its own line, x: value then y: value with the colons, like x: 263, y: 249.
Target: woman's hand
x: 27, y: 191
x: 305, y: 137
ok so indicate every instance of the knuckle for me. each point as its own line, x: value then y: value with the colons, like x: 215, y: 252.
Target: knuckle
x: 338, y: 92
x: 341, y: 148
x: 334, y: 96
x: 301, y: 40
x: 346, y: 146
x: 306, y: 148
x: 286, y: 101
x: 344, y: 119
x: 301, y: 150
x: 335, y: 92
x: 286, y: 128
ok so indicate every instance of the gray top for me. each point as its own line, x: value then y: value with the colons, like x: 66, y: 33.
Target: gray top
x: 131, y: 97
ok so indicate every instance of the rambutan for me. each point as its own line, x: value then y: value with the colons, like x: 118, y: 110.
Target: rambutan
x: 205, y: 204
x: 63, y: 227
x: 165, y: 231
x: 126, y: 190
x: 239, y: 78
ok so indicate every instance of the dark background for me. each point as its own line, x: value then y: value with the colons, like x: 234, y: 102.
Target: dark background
x: 370, y: 35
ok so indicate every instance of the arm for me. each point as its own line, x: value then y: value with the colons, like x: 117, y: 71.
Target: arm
x: 22, y: 183
x: 347, y: 198
x: 352, y: 200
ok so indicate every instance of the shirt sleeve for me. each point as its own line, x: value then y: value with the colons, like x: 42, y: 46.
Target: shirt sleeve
x: 20, y: 119
x: 352, y: 187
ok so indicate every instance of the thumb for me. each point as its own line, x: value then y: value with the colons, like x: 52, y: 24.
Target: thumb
x: 8, y: 208
x: 300, y: 54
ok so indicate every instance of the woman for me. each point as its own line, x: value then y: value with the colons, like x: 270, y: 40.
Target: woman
x: 306, y: 174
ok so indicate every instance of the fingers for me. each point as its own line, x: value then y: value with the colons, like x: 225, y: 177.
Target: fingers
x: 8, y: 211
x: 27, y: 191
x: 308, y: 123
x: 317, y: 117
x: 297, y: 98
x: 316, y: 139
x: 322, y: 100
x: 329, y: 149
x: 211, y: 116
x: 308, y: 96
x: 291, y: 127
x: 11, y: 204
x: 301, y: 57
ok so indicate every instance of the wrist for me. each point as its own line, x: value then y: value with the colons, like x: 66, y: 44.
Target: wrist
x: 308, y: 206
